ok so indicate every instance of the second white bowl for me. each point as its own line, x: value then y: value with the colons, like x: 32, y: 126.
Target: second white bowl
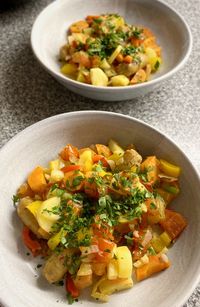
x: 50, y: 29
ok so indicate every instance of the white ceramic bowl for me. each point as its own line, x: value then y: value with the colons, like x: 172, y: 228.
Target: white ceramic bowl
x: 50, y: 28
x: 41, y: 142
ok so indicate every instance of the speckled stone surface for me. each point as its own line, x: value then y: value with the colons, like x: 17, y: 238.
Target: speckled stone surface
x: 28, y: 94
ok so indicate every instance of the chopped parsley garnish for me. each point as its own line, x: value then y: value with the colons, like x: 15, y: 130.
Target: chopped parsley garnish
x: 151, y: 251
x: 130, y: 50
x: 15, y: 200
x: 157, y: 65
x: 70, y: 299
x: 152, y: 206
x: 77, y: 181
x: 98, y: 20
x: 137, y: 32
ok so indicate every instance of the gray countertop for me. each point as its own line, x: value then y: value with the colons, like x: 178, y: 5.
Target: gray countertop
x: 28, y: 94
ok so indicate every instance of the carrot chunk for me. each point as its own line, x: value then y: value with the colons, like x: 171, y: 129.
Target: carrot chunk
x: 174, y: 223
x: 155, y: 265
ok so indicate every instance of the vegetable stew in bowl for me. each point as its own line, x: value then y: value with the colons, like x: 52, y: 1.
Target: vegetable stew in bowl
x: 99, y: 216
x: 106, y: 51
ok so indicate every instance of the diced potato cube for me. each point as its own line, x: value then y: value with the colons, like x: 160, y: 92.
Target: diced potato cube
x: 152, y: 57
x: 80, y: 37
x: 54, y: 164
x: 98, y: 77
x: 69, y: 69
x: 81, y: 77
x: 109, y: 286
x: 112, y: 269
x: 119, y: 80
x: 85, y: 269
x: 56, y: 175
x: 124, y: 260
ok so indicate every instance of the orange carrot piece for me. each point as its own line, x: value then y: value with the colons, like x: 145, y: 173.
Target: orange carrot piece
x: 151, y: 167
x: 78, y: 26
x: 155, y: 265
x: 36, y: 179
x: 174, y: 223
x: 128, y: 59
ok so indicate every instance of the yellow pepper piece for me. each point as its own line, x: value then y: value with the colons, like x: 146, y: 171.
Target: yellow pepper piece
x: 165, y: 238
x: 55, y: 239
x: 115, y: 157
x: 170, y: 169
x: 115, y: 54
x: 85, y: 160
x: 115, y: 148
x: 34, y: 206
x: 160, y: 242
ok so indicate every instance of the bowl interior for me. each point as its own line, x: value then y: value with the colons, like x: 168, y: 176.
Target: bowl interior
x: 50, y: 30
x: 20, y: 284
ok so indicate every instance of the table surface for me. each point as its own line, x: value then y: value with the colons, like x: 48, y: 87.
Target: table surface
x: 28, y: 94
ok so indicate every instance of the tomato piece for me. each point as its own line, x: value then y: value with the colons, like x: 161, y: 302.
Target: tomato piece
x: 69, y: 168
x: 101, y: 158
x: 105, y: 244
x: 102, y: 230
x: 105, y: 247
x: 70, y: 286
x: 69, y: 153
x: 91, y: 189
x: 91, y: 18
x: 32, y: 244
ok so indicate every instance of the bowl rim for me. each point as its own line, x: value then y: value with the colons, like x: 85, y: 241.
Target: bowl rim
x: 193, y: 283
x: 91, y: 87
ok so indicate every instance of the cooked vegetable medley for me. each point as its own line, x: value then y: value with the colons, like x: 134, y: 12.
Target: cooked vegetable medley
x: 99, y: 216
x: 106, y: 51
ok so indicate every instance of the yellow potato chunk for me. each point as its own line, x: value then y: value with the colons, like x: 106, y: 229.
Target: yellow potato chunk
x: 119, y: 80
x: 69, y: 69
x: 112, y: 269
x: 152, y: 57
x: 124, y: 260
x: 98, y: 77
x: 109, y: 286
